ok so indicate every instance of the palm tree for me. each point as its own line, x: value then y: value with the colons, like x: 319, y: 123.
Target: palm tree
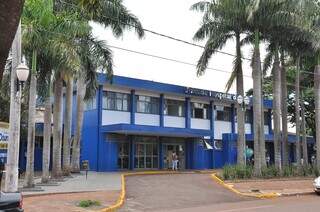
x: 317, y: 108
x: 284, y: 111
x: 304, y: 134
x: 75, y: 160
x: 67, y: 125
x: 221, y: 22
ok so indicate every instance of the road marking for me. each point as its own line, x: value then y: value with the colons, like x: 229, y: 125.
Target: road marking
x: 245, y: 209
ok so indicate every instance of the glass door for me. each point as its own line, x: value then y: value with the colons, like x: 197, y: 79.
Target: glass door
x: 146, y: 156
x: 123, y: 155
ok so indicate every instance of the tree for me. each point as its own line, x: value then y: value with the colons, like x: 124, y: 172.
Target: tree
x: 221, y: 22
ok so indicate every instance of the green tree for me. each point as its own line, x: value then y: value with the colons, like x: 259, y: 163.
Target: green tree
x: 223, y: 21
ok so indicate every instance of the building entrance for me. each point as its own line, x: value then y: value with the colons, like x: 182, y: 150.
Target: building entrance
x: 179, y: 149
x: 146, y: 155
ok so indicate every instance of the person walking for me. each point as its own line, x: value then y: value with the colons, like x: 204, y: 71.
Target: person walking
x: 174, y: 161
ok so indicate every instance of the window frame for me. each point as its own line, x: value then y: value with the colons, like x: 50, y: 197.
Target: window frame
x: 205, y: 106
x: 115, y: 98
x: 228, y: 119
x: 154, y: 101
x: 181, y: 103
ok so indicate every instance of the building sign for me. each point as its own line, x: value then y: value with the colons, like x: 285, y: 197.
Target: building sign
x: 212, y: 94
x: 4, y: 135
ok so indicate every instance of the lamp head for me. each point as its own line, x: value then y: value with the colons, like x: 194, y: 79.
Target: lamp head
x: 240, y: 99
x: 22, y: 72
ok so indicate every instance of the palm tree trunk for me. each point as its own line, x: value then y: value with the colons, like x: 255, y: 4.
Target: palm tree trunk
x: 75, y: 160
x: 304, y: 135
x: 240, y: 110
x: 46, y: 138
x: 262, y: 135
x: 276, y: 110
x: 67, y: 127
x: 29, y: 181
x: 297, y: 113
x: 257, y: 100
x: 317, y: 109
x: 57, y: 113
x: 284, y: 113
x: 11, y: 178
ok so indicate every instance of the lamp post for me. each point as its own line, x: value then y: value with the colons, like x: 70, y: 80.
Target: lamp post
x: 243, y: 102
x: 11, y: 179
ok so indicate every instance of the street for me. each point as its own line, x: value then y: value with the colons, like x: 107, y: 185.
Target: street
x: 197, y: 192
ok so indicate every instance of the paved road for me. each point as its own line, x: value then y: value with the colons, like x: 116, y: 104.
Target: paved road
x: 309, y: 203
x: 168, y: 192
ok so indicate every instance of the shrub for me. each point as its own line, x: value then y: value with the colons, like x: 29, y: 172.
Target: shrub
x: 237, y: 172
x: 88, y: 203
x: 270, y: 172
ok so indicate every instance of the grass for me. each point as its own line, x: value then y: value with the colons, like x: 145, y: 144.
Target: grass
x: 88, y: 203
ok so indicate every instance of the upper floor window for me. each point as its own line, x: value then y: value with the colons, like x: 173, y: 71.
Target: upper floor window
x: 147, y: 104
x: 223, y: 113
x: 116, y: 101
x: 174, y: 108
x: 200, y: 110
x: 90, y: 104
x: 248, y: 116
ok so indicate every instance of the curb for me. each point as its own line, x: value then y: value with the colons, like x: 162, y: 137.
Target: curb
x: 260, y: 196
x: 298, y: 194
x: 122, y: 196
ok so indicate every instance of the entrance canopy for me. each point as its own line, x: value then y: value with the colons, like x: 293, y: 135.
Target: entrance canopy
x: 155, y: 131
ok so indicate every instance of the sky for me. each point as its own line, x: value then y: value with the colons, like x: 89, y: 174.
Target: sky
x: 173, y: 18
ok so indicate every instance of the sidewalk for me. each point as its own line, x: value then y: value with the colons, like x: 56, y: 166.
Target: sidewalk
x: 284, y: 186
x: 96, y: 181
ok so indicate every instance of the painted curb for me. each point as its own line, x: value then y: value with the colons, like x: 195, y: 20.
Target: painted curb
x: 122, y: 195
x: 261, y: 196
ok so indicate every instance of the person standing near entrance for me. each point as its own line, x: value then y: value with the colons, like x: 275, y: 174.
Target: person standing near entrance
x: 174, y: 161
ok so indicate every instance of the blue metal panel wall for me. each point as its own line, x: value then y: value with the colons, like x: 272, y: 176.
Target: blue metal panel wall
x: 90, y: 137
x: 108, y: 151
x: 189, y: 154
x: 229, y: 148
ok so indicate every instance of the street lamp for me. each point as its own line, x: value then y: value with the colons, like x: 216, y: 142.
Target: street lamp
x: 22, y: 75
x: 243, y: 102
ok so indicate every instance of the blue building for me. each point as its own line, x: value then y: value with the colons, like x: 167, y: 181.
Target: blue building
x: 137, y: 124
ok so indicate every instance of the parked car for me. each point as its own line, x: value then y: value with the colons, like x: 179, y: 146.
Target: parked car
x: 11, y: 202
x: 316, y: 185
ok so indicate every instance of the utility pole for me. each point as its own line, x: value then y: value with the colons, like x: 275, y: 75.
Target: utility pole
x: 11, y: 176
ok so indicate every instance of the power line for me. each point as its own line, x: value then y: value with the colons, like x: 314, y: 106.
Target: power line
x: 171, y: 37
x: 163, y: 58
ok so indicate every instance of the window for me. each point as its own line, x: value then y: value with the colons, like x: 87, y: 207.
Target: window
x: 248, y: 116
x: 266, y: 117
x: 200, y: 111
x: 223, y: 113
x: 90, y: 104
x: 174, y: 108
x: 147, y: 104
x: 116, y: 101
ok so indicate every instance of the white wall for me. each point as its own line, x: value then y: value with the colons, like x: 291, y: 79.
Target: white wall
x: 173, y: 121
x: 147, y: 119
x: 221, y: 127
x: 203, y: 124
x: 247, y: 128
x: 115, y: 117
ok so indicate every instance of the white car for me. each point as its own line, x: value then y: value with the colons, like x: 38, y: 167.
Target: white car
x: 316, y: 185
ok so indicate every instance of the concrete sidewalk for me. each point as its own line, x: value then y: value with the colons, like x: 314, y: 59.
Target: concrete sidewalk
x: 284, y: 186
x: 96, y: 181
